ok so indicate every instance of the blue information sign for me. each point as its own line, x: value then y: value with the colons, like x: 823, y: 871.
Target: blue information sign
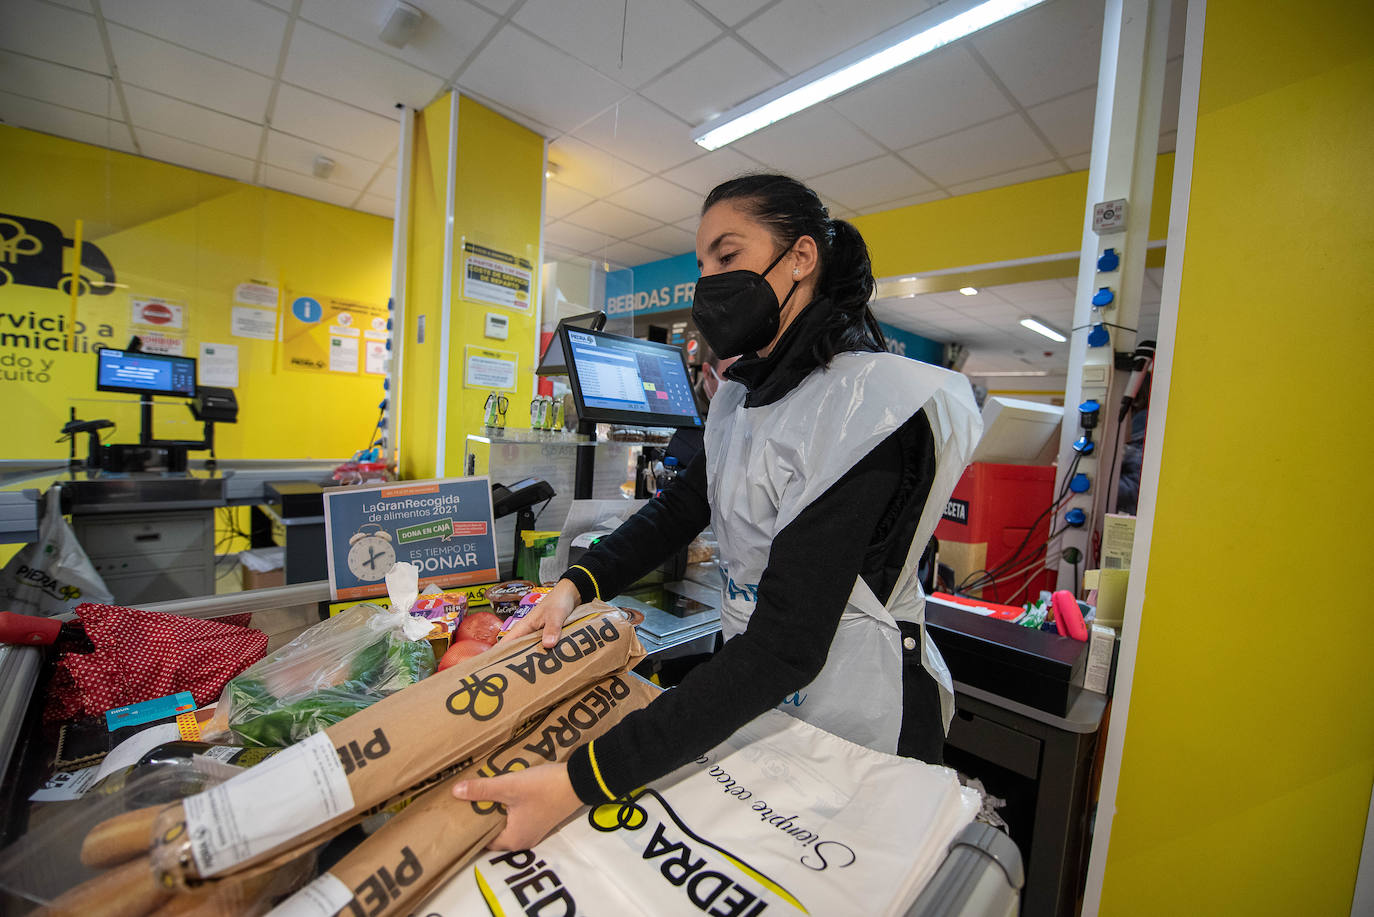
x: 444, y: 527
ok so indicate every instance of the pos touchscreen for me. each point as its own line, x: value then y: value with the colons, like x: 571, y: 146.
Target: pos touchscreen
x: 145, y: 373
x: 617, y: 379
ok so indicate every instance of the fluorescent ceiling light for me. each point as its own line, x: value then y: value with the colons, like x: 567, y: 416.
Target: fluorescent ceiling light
x: 968, y: 291
x: 1039, y: 327
x: 919, y: 35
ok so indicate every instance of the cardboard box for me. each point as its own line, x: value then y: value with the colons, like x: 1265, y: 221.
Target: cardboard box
x: 252, y: 579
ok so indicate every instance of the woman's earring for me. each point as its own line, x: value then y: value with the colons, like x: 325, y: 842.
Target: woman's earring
x: 796, y: 272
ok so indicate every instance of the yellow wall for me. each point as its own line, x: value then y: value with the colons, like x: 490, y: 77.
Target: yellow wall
x: 499, y: 182
x: 1035, y: 218
x: 1249, y: 752
x: 178, y: 234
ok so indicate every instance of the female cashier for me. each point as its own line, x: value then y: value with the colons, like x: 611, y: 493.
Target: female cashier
x: 826, y: 465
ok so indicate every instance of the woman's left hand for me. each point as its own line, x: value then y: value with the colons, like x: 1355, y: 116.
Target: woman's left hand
x: 537, y: 800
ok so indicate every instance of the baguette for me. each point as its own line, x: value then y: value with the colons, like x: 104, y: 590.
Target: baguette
x: 119, y: 839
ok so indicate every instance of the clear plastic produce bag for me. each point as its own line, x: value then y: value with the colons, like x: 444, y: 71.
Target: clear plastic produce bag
x: 331, y: 671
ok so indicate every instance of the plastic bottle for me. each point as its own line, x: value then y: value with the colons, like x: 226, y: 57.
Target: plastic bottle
x: 667, y: 476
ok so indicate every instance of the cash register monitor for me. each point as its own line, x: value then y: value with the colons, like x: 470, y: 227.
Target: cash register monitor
x: 145, y: 373
x: 553, y: 363
x: 1018, y: 432
x: 619, y: 379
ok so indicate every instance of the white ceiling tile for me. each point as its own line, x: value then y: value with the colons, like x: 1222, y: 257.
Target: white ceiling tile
x: 925, y: 99
x: 325, y: 63
x: 526, y: 75
x: 499, y: 7
x: 171, y: 70
x: 883, y: 179
x: 52, y: 33
x: 82, y: 5
x: 711, y: 81
x: 689, y: 225
x: 296, y: 155
x: 192, y: 123
x: 641, y: 133
x: 978, y: 152
x: 334, y: 124
x: 63, y: 122
x: 280, y: 4
x: 307, y: 186
x: 809, y: 143
x: 911, y: 201
x: 656, y: 33
x: 241, y: 32
x: 1068, y: 121
x: 575, y: 238
x: 60, y: 85
x: 668, y: 239
x: 381, y: 206
x: 1012, y: 177
x: 383, y: 183
x: 449, y: 32
x: 732, y: 12
x: 659, y: 199
x: 1046, y: 52
x: 591, y: 170
x: 1079, y: 163
x: 705, y: 172
x: 607, y: 218
x: 797, y: 34
x: 561, y: 200
x: 630, y: 255
x: 193, y: 156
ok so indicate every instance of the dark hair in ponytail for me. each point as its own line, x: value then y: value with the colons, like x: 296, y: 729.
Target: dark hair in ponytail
x: 791, y: 210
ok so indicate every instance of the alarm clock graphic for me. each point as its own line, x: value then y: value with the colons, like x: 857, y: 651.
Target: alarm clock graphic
x: 370, y: 554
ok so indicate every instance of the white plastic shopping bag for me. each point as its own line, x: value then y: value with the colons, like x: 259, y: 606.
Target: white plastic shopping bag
x: 782, y: 818
x: 53, y: 574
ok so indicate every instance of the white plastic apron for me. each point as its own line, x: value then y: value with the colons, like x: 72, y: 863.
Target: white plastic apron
x: 766, y: 464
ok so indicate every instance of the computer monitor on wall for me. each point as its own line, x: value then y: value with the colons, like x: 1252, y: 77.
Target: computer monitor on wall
x: 145, y: 373
x: 1019, y: 432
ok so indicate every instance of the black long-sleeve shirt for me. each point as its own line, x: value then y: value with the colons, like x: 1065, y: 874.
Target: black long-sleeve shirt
x: 861, y: 526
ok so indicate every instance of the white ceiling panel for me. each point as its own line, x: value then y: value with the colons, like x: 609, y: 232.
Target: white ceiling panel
x: 797, y: 34
x: 369, y: 80
x: 450, y: 31
x: 705, y: 172
x: 652, y: 35
x: 334, y: 124
x: 872, y: 182
x: 172, y: 70
x: 561, y: 200
x: 383, y: 184
x: 576, y: 239
x: 732, y: 12
x: 192, y: 123
x: 668, y: 239
x: 1067, y: 122
x: 60, y: 85
x: 52, y: 33
x: 240, y: 32
x: 1046, y: 52
x: 630, y: 254
x: 82, y: 5
x: 525, y: 74
x: 591, y: 170
x: 809, y: 143
x: 925, y: 99
x: 712, y: 81
x: 194, y: 156
x: 1079, y: 163
x: 1011, y: 177
x: 295, y: 155
x: 659, y: 199
x: 307, y: 186
x: 908, y: 201
x: 64, y: 122
x: 380, y: 206
x: 979, y: 152
x: 499, y: 7
x: 641, y: 133
x: 607, y: 218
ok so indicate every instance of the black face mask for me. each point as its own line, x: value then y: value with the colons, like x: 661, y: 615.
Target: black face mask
x: 737, y: 311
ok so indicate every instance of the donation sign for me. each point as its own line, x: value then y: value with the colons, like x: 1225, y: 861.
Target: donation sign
x: 444, y: 527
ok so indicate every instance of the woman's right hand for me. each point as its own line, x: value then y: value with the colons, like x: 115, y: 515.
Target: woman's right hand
x: 550, y: 614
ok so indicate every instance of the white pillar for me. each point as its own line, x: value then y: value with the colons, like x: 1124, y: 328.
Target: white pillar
x: 400, y: 254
